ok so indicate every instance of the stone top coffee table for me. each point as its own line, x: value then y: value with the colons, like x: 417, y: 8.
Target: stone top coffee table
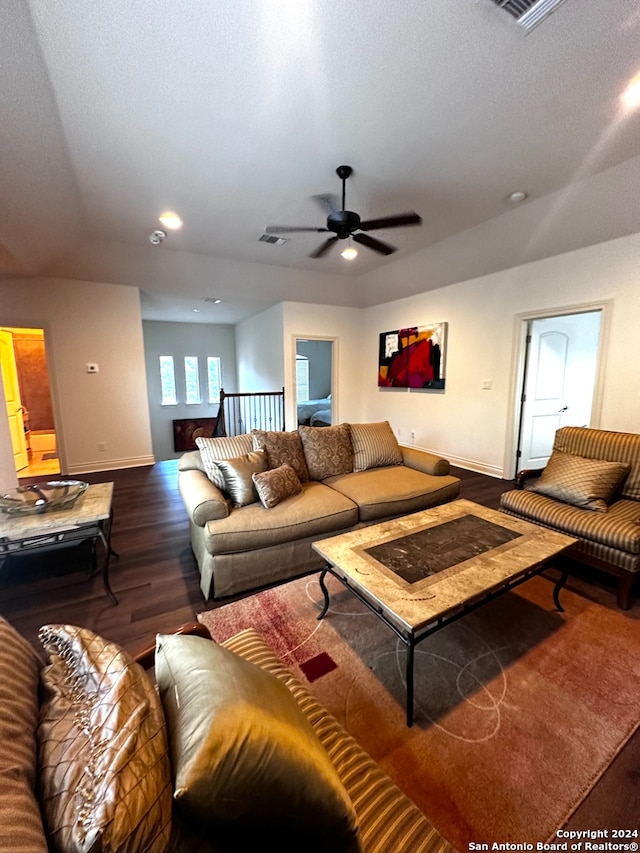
x: 90, y: 517
x: 423, y: 571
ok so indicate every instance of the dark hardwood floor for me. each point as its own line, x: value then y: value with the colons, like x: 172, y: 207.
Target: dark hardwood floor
x: 157, y: 583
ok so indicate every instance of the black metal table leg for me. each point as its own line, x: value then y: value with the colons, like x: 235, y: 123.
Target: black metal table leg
x: 325, y: 592
x: 105, y: 538
x: 556, y: 590
x: 410, y: 654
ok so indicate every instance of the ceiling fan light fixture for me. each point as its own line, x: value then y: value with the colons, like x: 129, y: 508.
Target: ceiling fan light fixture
x: 170, y: 220
x: 349, y: 252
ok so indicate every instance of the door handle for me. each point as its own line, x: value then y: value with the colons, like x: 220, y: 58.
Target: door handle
x: 563, y: 409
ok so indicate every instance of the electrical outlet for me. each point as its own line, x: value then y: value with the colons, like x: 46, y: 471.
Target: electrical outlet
x: 92, y: 367
x: 486, y: 385
x: 101, y: 446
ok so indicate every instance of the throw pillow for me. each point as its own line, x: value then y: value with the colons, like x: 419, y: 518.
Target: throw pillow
x: 328, y: 450
x: 582, y: 482
x: 20, y: 822
x: 374, y: 446
x: 237, y: 476
x: 214, y: 449
x: 243, y: 751
x: 276, y: 485
x: 104, y: 771
x: 282, y: 447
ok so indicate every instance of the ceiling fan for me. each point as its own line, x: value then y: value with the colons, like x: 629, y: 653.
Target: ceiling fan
x: 345, y: 223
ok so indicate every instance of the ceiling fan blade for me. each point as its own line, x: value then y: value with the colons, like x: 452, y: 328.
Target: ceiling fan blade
x: 372, y: 243
x: 281, y: 229
x: 323, y: 248
x: 328, y: 202
x: 391, y: 221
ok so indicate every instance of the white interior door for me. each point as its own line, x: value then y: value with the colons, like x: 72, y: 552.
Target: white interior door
x: 12, y: 398
x: 559, y: 381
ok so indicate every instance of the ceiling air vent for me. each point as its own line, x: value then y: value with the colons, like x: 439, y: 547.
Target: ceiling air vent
x: 529, y: 13
x: 271, y: 238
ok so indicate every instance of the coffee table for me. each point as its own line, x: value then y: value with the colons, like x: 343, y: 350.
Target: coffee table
x: 421, y: 572
x: 90, y: 517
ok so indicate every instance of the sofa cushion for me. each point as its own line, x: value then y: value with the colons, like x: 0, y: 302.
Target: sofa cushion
x: 282, y: 447
x: 315, y: 511
x: 374, y: 445
x: 276, y: 485
x: 328, y: 450
x: 618, y: 528
x: 214, y: 449
x: 21, y: 828
x: 243, y: 751
x: 238, y: 476
x: 586, y: 483
x: 104, y: 771
x: 396, y: 490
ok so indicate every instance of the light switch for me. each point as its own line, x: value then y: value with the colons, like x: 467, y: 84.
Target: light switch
x: 92, y: 368
x: 486, y: 385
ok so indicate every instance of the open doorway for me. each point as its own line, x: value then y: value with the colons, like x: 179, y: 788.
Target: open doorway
x: 559, y: 380
x: 28, y: 401
x: 314, y: 381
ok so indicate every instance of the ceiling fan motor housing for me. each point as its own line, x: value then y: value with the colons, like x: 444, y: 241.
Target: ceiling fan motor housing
x: 343, y: 223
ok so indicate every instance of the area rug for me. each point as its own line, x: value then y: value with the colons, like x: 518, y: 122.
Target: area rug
x: 519, y: 708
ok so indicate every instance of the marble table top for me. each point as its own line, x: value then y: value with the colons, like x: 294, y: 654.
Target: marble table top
x: 417, y: 580
x: 91, y: 507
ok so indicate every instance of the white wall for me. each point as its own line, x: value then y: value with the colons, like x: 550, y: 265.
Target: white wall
x: 259, y: 351
x: 472, y: 426
x: 87, y: 322
x: 178, y: 340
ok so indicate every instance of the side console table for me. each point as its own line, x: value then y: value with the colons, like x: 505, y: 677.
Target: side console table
x: 91, y: 517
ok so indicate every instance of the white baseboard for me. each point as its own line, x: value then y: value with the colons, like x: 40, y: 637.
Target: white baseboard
x: 92, y: 467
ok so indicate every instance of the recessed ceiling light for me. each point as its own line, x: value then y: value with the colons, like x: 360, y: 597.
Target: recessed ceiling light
x: 518, y: 195
x: 196, y: 310
x: 213, y: 300
x: 170, y: 220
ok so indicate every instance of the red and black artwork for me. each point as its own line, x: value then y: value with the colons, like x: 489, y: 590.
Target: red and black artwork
x: 413, y: 357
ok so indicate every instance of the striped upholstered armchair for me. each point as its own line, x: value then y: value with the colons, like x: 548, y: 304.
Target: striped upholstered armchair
x: 590, y: 489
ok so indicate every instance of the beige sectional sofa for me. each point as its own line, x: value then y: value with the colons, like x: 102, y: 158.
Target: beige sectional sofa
x: 344, y: 477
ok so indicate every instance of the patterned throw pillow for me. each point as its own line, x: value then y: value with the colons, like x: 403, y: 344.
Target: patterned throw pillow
x: 582, y: 482
x: 277, y: 484
x: 282, y: 447
x: 214, y: 449
x: 374, y: 446
x: 238, y: 473
x: 327, y: 450
x: 20, y: 822
x: 104, y: 772
x: 245, y: 754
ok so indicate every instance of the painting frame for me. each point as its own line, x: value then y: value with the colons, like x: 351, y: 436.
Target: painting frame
x: 186, y: 430
x: 413, y: 357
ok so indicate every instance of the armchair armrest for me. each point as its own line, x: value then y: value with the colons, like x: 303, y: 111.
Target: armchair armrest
x: 424, y: 461
x: 146, y: 655
x: 202, y: 499
x: 527, y: 474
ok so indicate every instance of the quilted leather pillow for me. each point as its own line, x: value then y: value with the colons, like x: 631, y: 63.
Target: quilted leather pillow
x: 327, y: 450
x: 374, y: 446
x: 276, y: 485
x: 20, y: 822
x: 104, y: 769
x: 582, y: 482
x: 282, y: 447
x: 214, y: 449
x: 244, y: 753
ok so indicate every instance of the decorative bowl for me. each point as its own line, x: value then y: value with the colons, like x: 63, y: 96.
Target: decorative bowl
x: 33, y: 498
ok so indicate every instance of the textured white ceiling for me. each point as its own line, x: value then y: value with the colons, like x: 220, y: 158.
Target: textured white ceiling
x: 236, y: 113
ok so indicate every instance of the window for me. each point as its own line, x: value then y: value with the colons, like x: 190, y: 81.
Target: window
x: 214, y: 378
x: 191, y: 380
x: 167, y: 381
x: 302, y: 378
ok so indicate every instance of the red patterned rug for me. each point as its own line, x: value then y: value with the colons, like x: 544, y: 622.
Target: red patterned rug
x: 519, y: 709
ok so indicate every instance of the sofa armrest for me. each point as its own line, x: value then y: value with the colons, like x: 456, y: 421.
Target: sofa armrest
x: 527, y: 474
x: 146, y: 655
x: 426, y: 462
x: 202, y: 499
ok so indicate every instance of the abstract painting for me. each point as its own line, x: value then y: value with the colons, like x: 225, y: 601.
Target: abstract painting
x: 413, y: 357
